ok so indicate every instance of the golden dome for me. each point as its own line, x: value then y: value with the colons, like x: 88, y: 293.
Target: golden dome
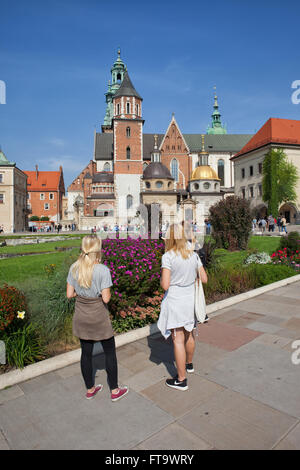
x: 204, y: 172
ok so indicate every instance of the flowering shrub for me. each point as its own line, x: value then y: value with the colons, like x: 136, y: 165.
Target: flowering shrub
x: 291, y: 242
x: 12, y: 306
x: 258, y: 258
x: 286, y: 257
x: 134, y: 265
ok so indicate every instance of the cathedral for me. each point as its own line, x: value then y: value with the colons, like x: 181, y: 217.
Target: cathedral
x: 181, y: 175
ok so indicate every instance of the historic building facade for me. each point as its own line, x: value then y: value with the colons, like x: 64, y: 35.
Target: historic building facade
x: 130, y: 167
x: 45, y: 193
x: 13, y: 195
x: 274, y: 134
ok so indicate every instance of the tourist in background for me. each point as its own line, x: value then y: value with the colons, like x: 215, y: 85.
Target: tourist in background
x: 180, y: 268
x: 283, y: 224
x: 271, y: 223
x: 89, y: 282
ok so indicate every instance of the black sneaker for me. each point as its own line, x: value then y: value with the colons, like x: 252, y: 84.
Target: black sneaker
x: 175, y: 383
x: 206, y: 319
x: 189, y: 368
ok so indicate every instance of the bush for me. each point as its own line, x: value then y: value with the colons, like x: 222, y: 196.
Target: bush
x: 23, y: 347
x: 12, y: 301
x: 228, y: 281
x: 45, y: 218
x: 291, y: 242
x: 34, y: 218
x: 231, y: 222
x: 266, y: 274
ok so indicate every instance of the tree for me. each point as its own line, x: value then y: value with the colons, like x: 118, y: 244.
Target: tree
x: 231, y: 222
x: 279, y: 180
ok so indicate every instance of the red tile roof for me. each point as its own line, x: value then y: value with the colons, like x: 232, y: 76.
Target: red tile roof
x: 43, y: 180
x: 275, y: 131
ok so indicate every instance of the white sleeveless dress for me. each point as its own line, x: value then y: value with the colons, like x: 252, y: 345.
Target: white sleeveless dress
x: 177, y: 307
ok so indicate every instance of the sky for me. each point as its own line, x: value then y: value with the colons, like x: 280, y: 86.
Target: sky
x: 56, y: 56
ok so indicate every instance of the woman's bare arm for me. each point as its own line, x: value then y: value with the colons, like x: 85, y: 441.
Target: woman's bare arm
x: 165, y: 278
x: 203, y: 275
x: 106, y: 295
x: 70, y: 291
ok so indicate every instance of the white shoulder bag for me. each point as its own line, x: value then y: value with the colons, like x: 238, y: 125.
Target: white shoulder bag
x: 200, y: 305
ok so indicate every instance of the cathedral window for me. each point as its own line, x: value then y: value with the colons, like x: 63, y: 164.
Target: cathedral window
x: 127, y: 108
x: 174, y: 169
x: 158, y: 184
x: 127, y: 131
x: 129, y: 201
x: 221, y: 171
x: 137, y: 109
x: 106, y: 167
x: 118, y: 109
x: 128, y: 153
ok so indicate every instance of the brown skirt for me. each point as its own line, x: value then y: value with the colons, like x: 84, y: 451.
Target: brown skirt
x: 91, y: 319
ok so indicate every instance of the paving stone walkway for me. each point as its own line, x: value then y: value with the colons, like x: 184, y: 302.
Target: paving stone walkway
x: 244, y: 394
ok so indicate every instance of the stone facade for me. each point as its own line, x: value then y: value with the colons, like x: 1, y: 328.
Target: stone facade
x: 13, y: 196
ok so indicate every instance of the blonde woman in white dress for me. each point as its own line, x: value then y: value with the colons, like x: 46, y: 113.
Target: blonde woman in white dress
x: 180, y: 268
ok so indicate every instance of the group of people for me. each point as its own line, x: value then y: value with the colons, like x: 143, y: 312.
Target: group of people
x: 89, y: 281
x: 116, y: 228
x: 269, y: 223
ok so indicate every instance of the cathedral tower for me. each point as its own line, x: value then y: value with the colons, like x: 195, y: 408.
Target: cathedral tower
x: 128, y: 147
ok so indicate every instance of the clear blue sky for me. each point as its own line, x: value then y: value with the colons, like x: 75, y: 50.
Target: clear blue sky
x: 55, y: 58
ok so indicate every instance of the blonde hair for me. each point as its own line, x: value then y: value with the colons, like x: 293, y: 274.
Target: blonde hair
x: 177, y: 241
x: 90, y: 254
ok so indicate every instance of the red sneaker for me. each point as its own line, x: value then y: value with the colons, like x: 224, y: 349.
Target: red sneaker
x: 121, y: 393
x: 90, y: 395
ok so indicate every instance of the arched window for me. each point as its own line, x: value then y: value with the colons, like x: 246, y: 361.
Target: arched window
x: 137, y: 109
x: 174, y: 169
x: 128, y: 153
x: 129, y: 201
x: 127, y: 108
x: 106, y: 167
x: 127, y: 131
x: 118, y: 109
x: 221, y: 171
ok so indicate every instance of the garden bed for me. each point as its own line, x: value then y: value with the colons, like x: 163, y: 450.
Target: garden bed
x: 136, y: 294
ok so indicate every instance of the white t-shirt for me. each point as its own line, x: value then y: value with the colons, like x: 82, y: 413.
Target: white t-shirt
x: 183, y: 271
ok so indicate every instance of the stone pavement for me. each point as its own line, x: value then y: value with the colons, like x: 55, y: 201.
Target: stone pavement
x: 244, y: 394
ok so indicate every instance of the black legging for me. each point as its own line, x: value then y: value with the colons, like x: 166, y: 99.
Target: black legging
x: 111, y: 365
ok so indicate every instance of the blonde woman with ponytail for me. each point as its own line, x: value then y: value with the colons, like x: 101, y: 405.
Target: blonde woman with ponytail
x: 89, y: 282
x: 180, y: 268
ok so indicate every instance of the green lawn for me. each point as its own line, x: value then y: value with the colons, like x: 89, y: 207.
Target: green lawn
x: 261, y: 243
x: 24, y: 269
x: 39, y: 247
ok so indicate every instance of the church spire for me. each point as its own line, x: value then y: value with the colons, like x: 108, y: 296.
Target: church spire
x: 117, y: 74
x: 216, y: 125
